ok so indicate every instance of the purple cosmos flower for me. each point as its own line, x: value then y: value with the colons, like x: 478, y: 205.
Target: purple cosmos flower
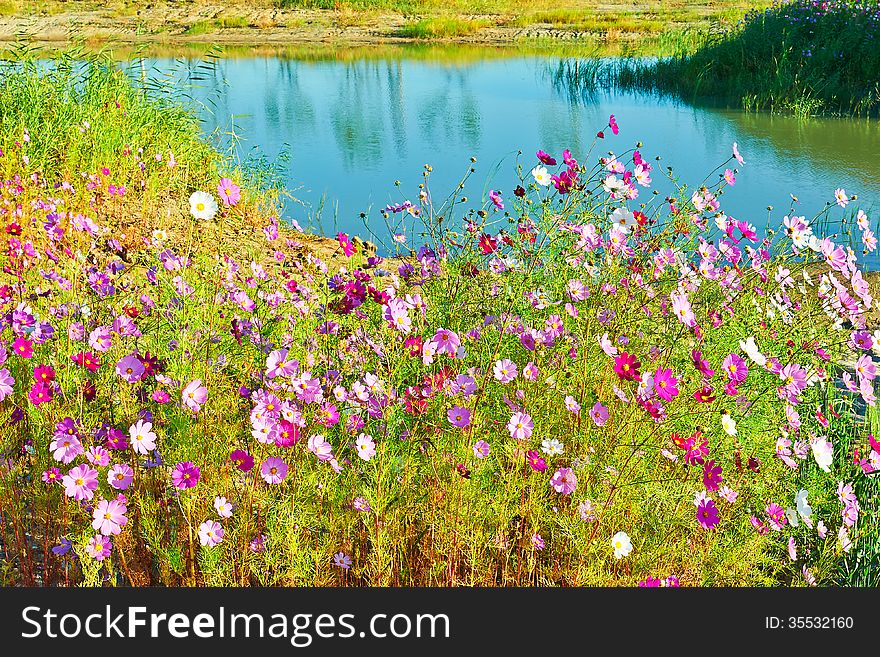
x: 242, y: 460
x: 342, y: 560
x: 130, y: 368
x: 459, y: 416
x: 185, y: 475
x: 538, y: 542
x: 712, y: 476
x: 273, y: 470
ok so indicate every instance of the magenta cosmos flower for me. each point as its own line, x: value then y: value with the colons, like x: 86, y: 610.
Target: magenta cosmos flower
x: 735, y: 368
x: 536, y: 461
x: 447, y: 341
x: 520, y: 426
x: 40, y: 393
x: 194, y: 395
x: 109, y: 517
x: 80, y: 483
x: 185, y: 475
x: 712, y: 477
x: 459, y: 416
x: 564, y: 481
x: 665, y: 384
x: 626, y: 366
x: 242, y: 460
x: 707, y: 514
x: 273, y: 470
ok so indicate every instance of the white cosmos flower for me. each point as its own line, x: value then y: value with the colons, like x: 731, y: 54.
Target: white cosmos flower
x: 541, y: 176
x: 823, y: 452
x: 751, y: 350
x: 728, y: 424
x: 621, y: 544
x: 623, y: 219
x: 202, y: 205
x: 803, y: 508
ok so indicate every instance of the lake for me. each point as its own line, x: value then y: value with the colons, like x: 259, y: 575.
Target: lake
x: 352, y: 126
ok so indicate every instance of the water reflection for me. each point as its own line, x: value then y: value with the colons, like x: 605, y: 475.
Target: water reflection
x: 355, y: 125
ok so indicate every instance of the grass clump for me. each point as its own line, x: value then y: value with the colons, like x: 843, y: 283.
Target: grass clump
x: 802, y: 57
x: 442, y: 27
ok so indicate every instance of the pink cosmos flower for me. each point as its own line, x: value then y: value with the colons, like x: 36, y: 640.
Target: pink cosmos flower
x: 564, y: 481
x: 736, y: 154
x: 229, y: 192
x: 185, y: 475
x: 273, y: 470
x: 109, y: 517
x: 278, y: 365
x: 446, y: 341
x: 99, y: 547
x: 223, y: 508
x: 504, y: 371
x: 65, y: 448
x: 520, y: 426
x: 6, y: 383
x: 538, y: 542
x: 459, y: 416
x: 599, y: 414
x: 40, y: 393
x: 210, y: 533
x: 194, y: 395
x: 665, y: 384
x: 318, y: 446
x: 729, y: 178
x: 495, y: 197
x: 571, y: 405
x: 612, y: 123
x: 120, y: 476
x: 481, y: 449
x: 81, y: 482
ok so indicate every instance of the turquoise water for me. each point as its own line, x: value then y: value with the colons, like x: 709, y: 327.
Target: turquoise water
x: 352, y: 128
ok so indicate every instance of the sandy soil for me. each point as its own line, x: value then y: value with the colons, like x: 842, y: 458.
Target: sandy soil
x: 163, y: 23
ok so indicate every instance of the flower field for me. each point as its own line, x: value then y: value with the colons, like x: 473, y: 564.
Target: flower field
x: 572, y: 382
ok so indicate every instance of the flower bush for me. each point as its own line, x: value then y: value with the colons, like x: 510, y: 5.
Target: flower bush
x: 564, y: 385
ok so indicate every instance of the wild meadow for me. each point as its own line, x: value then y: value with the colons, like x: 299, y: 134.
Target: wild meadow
x: 804, y: 57
x: 575, y: 381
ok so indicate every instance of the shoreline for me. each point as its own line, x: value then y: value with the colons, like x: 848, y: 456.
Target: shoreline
x: 164, y: 24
